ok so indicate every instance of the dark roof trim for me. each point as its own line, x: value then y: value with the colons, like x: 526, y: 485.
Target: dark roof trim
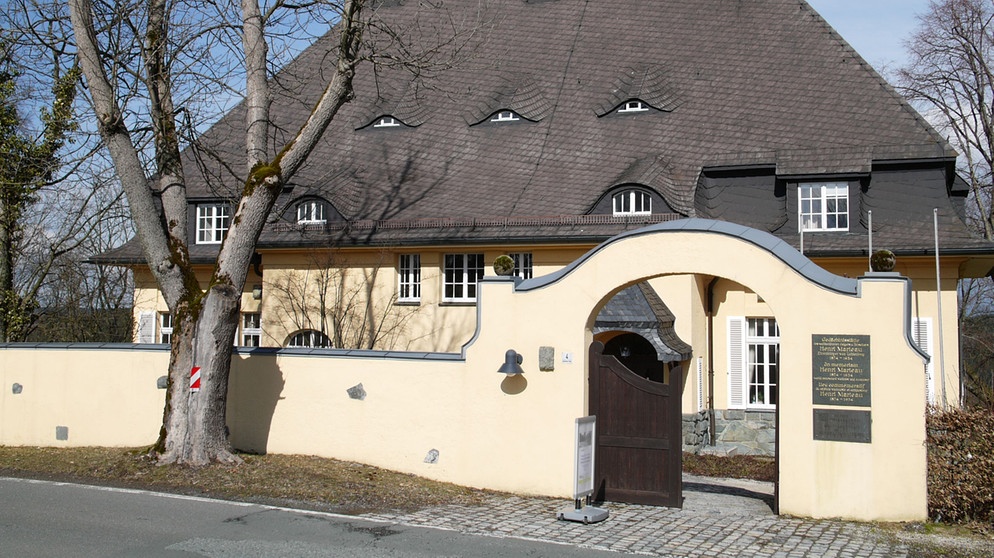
x: 770, y: 167
x: 823, y: 177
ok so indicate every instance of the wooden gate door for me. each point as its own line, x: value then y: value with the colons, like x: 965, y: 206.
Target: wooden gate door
x: 639, y: 441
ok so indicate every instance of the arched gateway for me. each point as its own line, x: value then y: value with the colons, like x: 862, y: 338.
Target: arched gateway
x: 851, y: 391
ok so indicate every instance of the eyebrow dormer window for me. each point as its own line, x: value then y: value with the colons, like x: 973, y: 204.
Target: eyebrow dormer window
x: 311, y: 212
x: 386, y: 122
x: 633, y: 106
x: 505, y: 116
x: 632, y: 202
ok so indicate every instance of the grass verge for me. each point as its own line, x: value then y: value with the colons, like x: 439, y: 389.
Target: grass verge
x: 733, y: 467
x: 294, y: 480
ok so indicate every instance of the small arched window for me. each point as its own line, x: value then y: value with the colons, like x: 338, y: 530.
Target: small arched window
x: 505, y: 116
x: 632, y: 202
x: 386, y: 122
x: 309, y: 338
x: 310, y: 212
x: 633, y: 105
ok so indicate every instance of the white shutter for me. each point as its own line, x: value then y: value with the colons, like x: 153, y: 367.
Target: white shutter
x: 736, y: 362
x: 921, y: 332
x: 700, y: 383
x: 146, y: 327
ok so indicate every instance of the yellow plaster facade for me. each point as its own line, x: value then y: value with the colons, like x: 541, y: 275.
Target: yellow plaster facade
x: 516, y: 432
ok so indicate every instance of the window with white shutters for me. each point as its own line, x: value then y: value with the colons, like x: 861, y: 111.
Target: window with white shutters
x: 146, y: 327
x: 736, y: 362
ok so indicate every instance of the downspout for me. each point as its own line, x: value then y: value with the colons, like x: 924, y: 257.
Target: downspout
x: 711, y: 419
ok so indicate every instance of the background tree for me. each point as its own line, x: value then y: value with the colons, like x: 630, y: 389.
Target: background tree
x: 153, y: 66
x: 951, y: 79
x: 67, y: 207
x: 29, y: 160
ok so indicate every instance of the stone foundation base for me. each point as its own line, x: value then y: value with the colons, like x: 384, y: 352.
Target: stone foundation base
x: 737, y: 432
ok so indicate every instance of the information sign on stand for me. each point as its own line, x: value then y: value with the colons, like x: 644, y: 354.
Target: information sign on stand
x: 583, y: 479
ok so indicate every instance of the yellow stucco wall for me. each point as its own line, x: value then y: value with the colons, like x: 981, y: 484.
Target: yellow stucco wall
x: 433, y: 325
x: 515, y: 433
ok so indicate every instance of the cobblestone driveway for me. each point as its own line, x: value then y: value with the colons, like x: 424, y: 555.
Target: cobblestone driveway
x: 732, y: 518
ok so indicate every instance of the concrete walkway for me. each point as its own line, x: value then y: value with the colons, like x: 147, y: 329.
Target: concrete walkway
x: 719, y: 518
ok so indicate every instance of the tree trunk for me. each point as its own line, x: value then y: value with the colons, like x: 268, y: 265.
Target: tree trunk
x: 194, y: 428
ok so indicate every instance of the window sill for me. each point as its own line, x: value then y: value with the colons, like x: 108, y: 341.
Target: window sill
x: 457, y: 303
x: 407, y: 303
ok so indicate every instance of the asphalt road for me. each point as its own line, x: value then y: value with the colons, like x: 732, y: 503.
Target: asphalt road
x: 57, y: 519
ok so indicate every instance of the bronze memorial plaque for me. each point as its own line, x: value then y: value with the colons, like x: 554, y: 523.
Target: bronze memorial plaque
x: 839, y: 425
x: 841, y: 370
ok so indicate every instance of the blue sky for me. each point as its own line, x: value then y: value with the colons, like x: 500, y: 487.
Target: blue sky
x: 877, y: 29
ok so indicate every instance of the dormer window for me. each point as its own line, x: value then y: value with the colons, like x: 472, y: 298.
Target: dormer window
x: 311, y: 212
x: 632, y: 106
x: 386, y: 122
x: 823, y: 206
x: 632, y: 202
x: 505, y: 116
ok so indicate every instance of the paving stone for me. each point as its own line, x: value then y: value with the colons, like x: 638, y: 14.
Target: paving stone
x: 719, y: 518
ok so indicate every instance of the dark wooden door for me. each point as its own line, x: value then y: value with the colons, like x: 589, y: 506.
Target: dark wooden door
x: 638, y: 444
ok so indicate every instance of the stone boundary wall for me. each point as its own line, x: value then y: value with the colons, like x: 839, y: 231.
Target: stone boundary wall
x: 737, y: 432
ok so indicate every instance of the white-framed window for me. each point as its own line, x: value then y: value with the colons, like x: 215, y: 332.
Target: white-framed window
x: 165, y: 327
x: 386, y: 122
x: 213, y: 220
x: 823, y: 206
x: 251, y: 329
x: 522, y: 264
x: 753, y: 362
x: 505, y: 116
x: 311, y: 212
x: 461, y: 274
x: 632, y: 202
x: 409, y: 278
x: 308, y: 338
x: 632, y: 106
x: 763, y: 365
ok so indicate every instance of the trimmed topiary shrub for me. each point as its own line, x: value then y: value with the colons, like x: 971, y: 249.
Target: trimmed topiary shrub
x: 961, y: 465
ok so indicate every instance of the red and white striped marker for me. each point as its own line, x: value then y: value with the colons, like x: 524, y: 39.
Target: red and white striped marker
x: 195, y: 379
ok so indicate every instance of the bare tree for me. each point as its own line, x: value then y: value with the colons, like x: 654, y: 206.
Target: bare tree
x: 339, y: 300
x: 57, y: 202
x: 950, y: 76
x: 78, y: 301
x: 147, y: 65
x: 29, y: 160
